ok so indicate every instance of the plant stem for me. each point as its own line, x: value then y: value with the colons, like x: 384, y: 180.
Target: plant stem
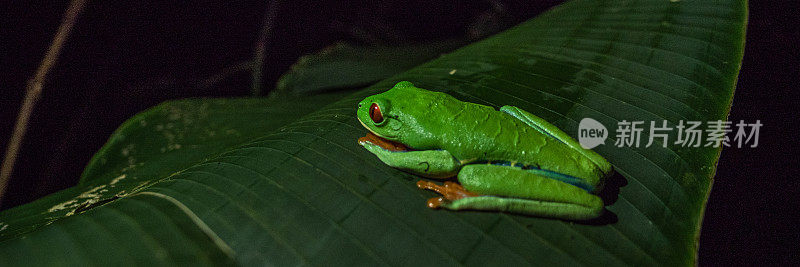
x: 34, y: 89
x: 225, y: 73
x: 261, y: 47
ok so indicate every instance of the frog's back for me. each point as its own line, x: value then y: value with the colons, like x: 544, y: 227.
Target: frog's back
x: 487, y: 134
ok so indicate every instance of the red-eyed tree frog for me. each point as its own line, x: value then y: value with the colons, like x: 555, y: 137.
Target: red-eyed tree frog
x: 507, y: 160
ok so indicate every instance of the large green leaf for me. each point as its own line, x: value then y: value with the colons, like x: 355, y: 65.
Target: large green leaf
x: 306, y: 193
x: 181, y: 134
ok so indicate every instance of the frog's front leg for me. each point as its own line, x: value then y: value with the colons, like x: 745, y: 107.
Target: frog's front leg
x: 510, y: 189
x: 428, y: 163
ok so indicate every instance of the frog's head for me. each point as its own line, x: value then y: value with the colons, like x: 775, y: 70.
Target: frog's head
x: 399, y: 118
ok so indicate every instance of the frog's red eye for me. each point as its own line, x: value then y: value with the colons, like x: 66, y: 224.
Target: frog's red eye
x: 375, y: 113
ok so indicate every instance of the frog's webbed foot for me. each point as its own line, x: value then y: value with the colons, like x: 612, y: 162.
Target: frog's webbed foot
x: 450, y: 191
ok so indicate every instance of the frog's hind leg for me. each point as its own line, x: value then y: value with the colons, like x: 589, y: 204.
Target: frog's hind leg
x: 502, y: 188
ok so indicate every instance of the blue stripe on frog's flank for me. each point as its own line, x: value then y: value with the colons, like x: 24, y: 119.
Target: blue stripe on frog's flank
x: 564, y: 178
x: 580, y: 183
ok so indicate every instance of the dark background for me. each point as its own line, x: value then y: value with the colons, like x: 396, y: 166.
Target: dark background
x: 125, y: 57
